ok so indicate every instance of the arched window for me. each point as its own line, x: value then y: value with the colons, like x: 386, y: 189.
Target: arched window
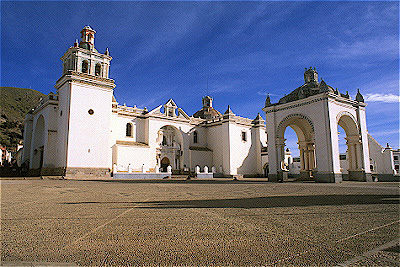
x: 85, y: 66
x: 195, y: 137
x: 129, y: 130
x: 97, y: 71
x: 164, y: 140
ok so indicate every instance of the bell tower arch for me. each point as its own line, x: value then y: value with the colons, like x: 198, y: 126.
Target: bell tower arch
x: 314, y: 111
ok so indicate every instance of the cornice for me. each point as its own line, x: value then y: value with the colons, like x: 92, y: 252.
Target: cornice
x: 73, y: 76
x: 331, y: 97
x: 84, y: 51
x: 45, y: 104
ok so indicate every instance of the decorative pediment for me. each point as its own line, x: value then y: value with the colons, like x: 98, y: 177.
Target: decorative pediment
x: 157, y: 110
x: 170, y: 103
x: 183, y: 114
x: 170, y: 108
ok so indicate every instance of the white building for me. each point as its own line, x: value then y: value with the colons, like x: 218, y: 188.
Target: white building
x: 83, y: 131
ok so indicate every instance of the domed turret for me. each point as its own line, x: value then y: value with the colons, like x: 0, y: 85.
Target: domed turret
x: 310, y: 75
x: 207, y: 112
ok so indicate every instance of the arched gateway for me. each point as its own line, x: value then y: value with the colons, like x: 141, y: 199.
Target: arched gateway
x: 314, y: 111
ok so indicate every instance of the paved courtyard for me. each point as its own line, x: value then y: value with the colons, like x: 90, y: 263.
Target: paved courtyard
x: 69, y: 222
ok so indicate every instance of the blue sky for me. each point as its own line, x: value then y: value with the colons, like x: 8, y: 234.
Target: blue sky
x: 245, y: 50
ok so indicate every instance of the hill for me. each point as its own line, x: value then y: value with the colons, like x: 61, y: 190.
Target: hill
x: 15, y: 104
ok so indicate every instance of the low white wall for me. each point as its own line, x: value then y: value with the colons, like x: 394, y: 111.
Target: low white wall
x: 201, y: 158
x: 136, y: 156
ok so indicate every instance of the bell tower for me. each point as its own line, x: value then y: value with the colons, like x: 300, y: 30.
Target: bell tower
x: 85, y: 105
x: 84, y: 58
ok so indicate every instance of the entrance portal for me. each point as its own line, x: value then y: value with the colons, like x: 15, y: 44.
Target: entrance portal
x: 164, y: 164
x: 169, y: 147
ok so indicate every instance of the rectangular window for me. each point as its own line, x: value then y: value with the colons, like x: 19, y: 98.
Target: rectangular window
x: 244, y: 136
x: 396, y: 157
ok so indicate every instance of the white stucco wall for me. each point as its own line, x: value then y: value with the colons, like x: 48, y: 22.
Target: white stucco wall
x: 201, y: 158
x: 241, y: 158
x: 218, y: 142
x: 118, y: 128
x: 63, y: 124
x: 89, y: 142
x: 136, y: 156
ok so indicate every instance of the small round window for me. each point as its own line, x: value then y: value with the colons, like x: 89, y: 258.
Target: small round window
x: 90, y: 111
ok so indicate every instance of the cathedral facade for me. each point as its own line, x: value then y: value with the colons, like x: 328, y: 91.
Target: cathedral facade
x: 82, y: 131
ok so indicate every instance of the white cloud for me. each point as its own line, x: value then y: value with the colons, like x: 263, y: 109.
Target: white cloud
x: 379, y: 47
x: 387, y: 98
x: 384, y: 133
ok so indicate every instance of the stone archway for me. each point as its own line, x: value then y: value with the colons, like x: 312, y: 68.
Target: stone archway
x: 314, y: 110
x: 354, y: 145
x: 304, y: 129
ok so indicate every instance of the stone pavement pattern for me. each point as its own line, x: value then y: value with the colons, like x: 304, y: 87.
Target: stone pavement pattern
x: 48, y: 222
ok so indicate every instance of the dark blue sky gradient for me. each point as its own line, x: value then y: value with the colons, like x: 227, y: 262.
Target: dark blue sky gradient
x: 245, y: 50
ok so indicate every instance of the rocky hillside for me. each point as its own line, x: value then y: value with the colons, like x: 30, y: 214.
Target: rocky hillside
x: 15, y: 104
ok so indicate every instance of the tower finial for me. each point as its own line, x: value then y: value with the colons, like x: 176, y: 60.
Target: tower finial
x: 310, y: 75
x: 267, y: 101
x: 207, y: 101
x: 359, y: 96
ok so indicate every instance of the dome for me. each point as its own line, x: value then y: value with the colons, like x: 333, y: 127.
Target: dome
x: 207, y: 113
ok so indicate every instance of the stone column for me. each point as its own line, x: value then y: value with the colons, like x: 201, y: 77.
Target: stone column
x: 311, y: 156
x: 306, y: 159
x: 349, y: 157
x: 359, y: 156
x: 353, y: 156
x: 302, y: 156
x: 356, y: 170
x: 280, y: 149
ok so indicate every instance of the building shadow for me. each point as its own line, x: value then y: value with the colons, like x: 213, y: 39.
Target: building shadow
x: 263, y: 202
x: 181, y: 181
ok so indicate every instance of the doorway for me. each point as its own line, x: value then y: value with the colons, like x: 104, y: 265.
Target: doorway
x: 164, y: 164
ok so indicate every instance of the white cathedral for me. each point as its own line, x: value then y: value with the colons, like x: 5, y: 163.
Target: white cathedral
x: 82, y: 131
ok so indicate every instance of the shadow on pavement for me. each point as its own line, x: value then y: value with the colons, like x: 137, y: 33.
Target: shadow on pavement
x: 264, y: 202
x: 182, y: 181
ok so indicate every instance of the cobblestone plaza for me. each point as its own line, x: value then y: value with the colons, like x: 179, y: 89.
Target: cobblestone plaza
x: 178, y: 222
